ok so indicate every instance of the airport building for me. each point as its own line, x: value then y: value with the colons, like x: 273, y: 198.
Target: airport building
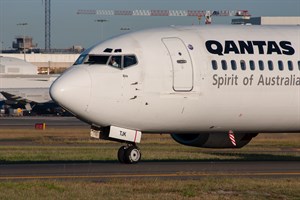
x: 265, y: 20
x: 50, y: 61
x: 23, y: 42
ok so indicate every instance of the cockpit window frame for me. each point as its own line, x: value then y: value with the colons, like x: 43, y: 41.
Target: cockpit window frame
x: 120, y: 64
x: 84, y: 59
x: 133, y: 55
x: 122, y: 61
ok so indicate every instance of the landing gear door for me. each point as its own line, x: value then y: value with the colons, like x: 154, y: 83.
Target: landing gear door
x: 181, y: 63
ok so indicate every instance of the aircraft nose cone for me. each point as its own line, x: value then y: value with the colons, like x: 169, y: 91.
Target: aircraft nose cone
x: 72, y: 90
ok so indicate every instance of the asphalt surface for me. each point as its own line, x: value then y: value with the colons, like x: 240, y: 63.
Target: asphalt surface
x: 167, y: 170
x: 29, y: 122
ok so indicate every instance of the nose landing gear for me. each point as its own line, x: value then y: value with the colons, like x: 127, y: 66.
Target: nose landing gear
x: 129, y: 154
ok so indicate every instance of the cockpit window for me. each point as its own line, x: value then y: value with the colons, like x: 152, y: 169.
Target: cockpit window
x: 129, y: 60
x: 108, y: 50
x: 97, y: 59
x: 122, y: 61
x: 116, y: 61
x: 81, y: 59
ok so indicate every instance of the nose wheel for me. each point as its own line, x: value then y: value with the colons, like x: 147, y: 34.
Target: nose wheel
x: 129, y: 154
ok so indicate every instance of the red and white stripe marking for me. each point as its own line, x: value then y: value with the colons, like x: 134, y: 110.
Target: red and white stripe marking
x: 232, y: 138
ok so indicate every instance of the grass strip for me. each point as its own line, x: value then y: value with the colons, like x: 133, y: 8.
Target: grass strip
x: 205, y: 188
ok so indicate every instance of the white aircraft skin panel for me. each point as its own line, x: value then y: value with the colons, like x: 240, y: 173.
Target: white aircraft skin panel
x: 141, y: 97
x: 76, y: 81
x: 115, y: 101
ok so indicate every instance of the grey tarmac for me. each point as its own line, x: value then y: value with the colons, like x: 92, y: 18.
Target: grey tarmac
x: 170, y: 170
x: 29, y: 122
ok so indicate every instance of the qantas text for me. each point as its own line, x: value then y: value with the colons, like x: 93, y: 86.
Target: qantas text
x: 249, y: 47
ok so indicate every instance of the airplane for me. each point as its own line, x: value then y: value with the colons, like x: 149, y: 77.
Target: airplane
x: 35, y: 101
x: 26, y: 96
x: 22, y: 87
x: 207, y: 86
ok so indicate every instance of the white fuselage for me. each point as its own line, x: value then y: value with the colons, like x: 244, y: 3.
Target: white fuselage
x: 174, y: 88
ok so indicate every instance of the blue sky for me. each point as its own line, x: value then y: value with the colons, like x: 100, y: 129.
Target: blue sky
x: 69, y: 29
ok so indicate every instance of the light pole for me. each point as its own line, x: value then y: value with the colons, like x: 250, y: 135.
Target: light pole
x: 24, y: 49
x: 101, y: 21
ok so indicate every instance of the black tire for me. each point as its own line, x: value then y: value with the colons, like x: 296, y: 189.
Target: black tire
x: 132, y: 155
x: 121, y: 154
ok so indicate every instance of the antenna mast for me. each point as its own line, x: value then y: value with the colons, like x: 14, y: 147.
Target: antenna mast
x: 47, y: 25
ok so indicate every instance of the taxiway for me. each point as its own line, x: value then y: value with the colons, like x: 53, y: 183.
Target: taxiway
x: 29, y: 122
x: 170, y: 170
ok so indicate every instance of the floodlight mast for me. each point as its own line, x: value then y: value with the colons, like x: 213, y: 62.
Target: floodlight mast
x: 47, y: 25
